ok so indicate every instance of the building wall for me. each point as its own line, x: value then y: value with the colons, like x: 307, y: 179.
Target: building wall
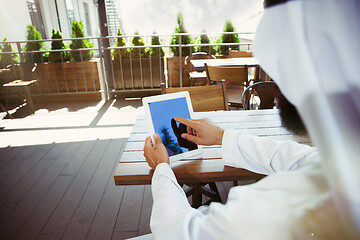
x: 14, y: 17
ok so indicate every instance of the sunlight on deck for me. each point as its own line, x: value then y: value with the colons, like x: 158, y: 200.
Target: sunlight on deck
x: 102, y: 120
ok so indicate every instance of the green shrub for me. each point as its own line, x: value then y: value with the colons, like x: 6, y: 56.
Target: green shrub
x: 137, y: 52
x: 204, y: 39
x: 55, y: 45
x: 156, y: 51
x: 120, y: 43
x: 33, y: 34
x: 7, y: 59
x: 228, y: 38
x: 77, y: 31
x: 184, y: 39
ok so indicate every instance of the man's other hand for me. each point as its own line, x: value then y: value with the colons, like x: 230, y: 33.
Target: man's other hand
x: 157, y: 155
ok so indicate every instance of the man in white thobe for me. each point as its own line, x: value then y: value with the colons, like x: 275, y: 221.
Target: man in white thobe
x: 311, y: 49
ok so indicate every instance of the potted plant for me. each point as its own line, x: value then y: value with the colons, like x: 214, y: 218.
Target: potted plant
x: 61, y: 75
x: 204, y: 39
x: 58, y: 44
x: 228, y: 38
x: 77, y: 31
x: 8, y: 59
x: 121, y: 64
x: 137, y: 68
x: 173, y: 63
x: 33, y: 34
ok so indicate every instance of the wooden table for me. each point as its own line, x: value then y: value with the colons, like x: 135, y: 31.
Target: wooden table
x: 23, y: 87
x: 208, y: 167
x: 245, y: 61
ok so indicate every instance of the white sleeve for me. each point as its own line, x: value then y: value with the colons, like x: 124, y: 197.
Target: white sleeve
x: 248, y: 209
x: 264, y: 155
x: 171, y: 212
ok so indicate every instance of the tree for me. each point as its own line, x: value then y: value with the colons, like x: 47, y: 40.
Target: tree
x: 204, y: 39
x: 137, y: 52
x: 7, y: 59
x: 228, y: 38
x: 124, y: 52
x: 156, y: 51
x: 59, y: 44
x: 77, y: 31
x: 185, y: 39
x: 33, y: 34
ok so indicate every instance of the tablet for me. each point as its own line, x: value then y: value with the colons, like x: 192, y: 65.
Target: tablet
x: 160, y: 112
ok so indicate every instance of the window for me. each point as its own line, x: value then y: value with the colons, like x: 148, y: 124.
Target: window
x: 70, y: 12
x: 87, y: 19
x: 36, y: 16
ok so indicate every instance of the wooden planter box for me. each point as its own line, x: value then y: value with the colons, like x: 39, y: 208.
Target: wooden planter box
x: 69, y: 77
x: 136, y: 73
x: 173, y: 72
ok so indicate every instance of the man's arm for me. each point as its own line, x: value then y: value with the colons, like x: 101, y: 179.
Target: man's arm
x: 261, y: 155
x: 264, y: 155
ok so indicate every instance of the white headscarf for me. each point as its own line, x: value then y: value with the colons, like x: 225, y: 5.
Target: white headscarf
x: 311, y: 48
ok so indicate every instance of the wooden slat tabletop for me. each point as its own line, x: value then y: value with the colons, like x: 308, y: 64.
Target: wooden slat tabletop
x: 207, y: 167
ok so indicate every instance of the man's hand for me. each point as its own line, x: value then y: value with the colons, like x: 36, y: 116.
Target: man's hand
x: 155, y: 156
x: 202, y: 131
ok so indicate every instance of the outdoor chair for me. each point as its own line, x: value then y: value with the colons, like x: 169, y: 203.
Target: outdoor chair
x: 237, y: 54
x: 260, y: 75
x: 197, y: 76
x: 236, y: 81
x: 260, y: 95
x: 204, y: 98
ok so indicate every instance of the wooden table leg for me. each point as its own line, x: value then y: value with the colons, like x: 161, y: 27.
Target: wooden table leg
x: 28, y: 98
x: 196, y: 196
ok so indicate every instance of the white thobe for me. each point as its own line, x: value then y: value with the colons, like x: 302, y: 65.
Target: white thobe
x: 292, y: 202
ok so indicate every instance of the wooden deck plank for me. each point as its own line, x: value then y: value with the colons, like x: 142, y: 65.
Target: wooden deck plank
x: 123, y: 235
x: 129, y: 214
x: 20, y: 190
x: 17, y: 217
x: 21, y: 166
x: 8, y: 153
x: 56, y: 151
x: 65, y: 210
x: 17, y: 160
x: 37, y: 219
x: 105, y: 218
x: 81, y: 221
x: 144, y: 226
x: 50, y: 236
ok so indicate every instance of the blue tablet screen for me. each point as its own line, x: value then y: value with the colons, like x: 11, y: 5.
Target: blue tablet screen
x: 163, y: 114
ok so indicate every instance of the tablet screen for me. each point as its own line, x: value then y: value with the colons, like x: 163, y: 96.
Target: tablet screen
x: 163, y: 114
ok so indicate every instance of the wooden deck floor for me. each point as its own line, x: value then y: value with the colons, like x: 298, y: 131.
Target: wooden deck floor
x: 56, y: 174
